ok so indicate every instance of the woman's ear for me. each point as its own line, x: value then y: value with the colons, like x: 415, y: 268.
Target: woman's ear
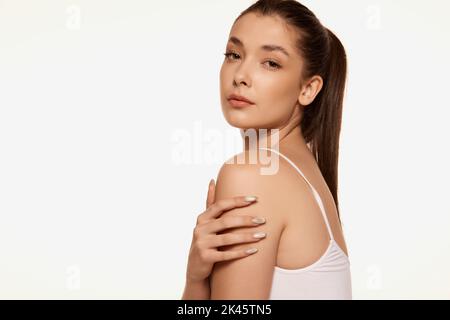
x: 310, y: 90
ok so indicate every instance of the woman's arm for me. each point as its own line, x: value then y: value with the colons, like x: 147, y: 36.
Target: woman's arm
x: 196, y: 290
x: 205, y: 240
x: 249, y: 278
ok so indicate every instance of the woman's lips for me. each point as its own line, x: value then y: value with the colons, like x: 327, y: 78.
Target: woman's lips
x: 239, y: 103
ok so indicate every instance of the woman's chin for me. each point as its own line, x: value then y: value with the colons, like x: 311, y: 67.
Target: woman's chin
x: 240, y: 121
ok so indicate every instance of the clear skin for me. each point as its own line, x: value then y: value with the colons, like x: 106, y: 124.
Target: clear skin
x: 205, y: 241
x: 271, y: 80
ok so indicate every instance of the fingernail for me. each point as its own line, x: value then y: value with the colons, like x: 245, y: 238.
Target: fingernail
x: 211, y: 181
x: 259, y: 235
x: 250, y: 198
x: 252, y: 250
x: 259, y: 220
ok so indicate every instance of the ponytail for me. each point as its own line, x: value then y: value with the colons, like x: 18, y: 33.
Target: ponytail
x: 324, y: 135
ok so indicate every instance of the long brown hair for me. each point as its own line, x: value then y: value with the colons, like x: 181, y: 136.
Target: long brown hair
x: 324, y: 55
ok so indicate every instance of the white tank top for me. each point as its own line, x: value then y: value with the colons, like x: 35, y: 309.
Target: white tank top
x: 327, y: 278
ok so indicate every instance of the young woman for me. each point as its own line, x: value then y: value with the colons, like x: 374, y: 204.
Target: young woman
x: 285, y: 72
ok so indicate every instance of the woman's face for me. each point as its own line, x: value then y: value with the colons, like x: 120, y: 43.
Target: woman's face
x: 261, y: 64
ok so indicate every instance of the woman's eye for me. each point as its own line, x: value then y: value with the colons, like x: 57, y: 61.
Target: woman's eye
x: 235, y: 56
x: 231, y: 55
x: 273, y: 64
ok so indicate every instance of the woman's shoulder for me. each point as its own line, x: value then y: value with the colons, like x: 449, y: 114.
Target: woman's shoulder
x: 256, y: 164
x: 265, y: 174
x: 242, y: 175
x: 269, y: 178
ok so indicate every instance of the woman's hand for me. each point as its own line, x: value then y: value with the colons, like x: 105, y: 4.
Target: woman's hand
x: 203, y: 252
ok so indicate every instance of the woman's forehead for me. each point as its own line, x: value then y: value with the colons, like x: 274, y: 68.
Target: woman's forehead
x: 255, y: 31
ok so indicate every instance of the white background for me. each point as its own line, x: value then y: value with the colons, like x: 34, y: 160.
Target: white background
x: 111, y: 128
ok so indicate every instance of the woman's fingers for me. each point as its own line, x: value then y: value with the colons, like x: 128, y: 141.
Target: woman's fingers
x: 211, y: 193
x: 203, y: 252
x: 217, y: 208
x: 220, y: 206
x: 232, y: 222
x: 235, y: 238
x: 232, y: 254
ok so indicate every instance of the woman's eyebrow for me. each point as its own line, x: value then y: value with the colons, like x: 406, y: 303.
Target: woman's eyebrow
x: 266, y: 47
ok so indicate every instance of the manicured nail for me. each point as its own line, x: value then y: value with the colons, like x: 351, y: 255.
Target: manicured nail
x: 252, y: 250
x: 258, y: 220
x: 250, y: 198
x: 259, y: 235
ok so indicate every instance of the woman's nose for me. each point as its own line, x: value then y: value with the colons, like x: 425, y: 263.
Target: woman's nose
x: 242, y: 76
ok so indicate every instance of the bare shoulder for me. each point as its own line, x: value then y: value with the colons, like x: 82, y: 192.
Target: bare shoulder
x: 265, y: 178
x: 272, y: 179
x: 250, y: 277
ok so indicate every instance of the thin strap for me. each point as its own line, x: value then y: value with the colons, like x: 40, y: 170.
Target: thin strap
x: 315, y: 193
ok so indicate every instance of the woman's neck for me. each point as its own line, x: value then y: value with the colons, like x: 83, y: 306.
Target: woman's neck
x: 288, y: 137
